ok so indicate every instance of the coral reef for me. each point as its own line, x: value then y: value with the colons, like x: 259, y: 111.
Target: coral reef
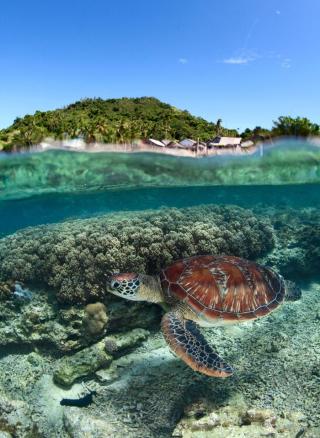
x: 146, y: 392
x: 74, y: 258
x: 142, y: 390
x: 297, y: 244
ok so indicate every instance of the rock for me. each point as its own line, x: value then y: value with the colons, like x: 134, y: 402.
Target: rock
x: 15, y: 419
x: 40, y: 323
x: 232, y: 422
x: 122, y: 342
x: 81, y: 364
x: 124, y: 315
x: 4, y: 434
x: 79, y: 424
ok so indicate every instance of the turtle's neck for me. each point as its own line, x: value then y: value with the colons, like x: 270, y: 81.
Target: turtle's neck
x: 150, y: 289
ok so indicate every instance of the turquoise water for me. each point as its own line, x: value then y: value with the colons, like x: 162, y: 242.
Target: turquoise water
x: 69, y: 220
x: 54, y: 207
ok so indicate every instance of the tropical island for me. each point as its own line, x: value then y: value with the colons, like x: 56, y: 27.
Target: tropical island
x: 140, y: 121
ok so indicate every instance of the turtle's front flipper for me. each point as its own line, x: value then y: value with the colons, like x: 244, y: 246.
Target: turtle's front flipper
x: 185, y: 339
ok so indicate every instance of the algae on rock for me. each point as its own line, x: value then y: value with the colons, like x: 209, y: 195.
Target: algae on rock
x: 81, y: 364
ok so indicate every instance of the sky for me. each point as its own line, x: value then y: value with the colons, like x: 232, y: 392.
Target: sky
x: 244, y: 61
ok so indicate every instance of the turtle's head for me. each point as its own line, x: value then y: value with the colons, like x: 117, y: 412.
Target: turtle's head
x: 135, y: 287
x: 125, y: 285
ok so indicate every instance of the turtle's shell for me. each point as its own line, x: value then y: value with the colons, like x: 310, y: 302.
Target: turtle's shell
x: 224, y: 287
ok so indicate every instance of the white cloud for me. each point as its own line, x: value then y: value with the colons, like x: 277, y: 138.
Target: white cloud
x: 242, y: 56
x: 237, y: 60
x: 286, y: 63
x: 183, y: 60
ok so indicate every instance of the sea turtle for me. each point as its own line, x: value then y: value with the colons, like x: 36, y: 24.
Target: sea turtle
x: 206, y: 291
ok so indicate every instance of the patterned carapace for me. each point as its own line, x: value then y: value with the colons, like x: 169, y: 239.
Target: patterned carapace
x: 224, y: 287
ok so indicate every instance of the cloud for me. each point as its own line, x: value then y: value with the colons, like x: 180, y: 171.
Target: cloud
x: 241, y: 57
x: 286, y: 63
x: 183, y: 60
x: 237, y: 60
x: 277, y: 12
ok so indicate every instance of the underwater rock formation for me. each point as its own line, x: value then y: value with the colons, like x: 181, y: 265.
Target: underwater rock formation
x: 146, y: 392
x: 121, y: 343
x: 41, y: 323
x: 79, y: 424
x: 240, y: 422
x: 100, y: 355
x: 81, y: 364
x: 15, y: 419
x: 75, y: 258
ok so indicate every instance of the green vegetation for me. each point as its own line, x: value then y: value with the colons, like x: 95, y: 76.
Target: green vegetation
x: 284, y: 126
x: 299, y: 127
x: 127, y: 119
x: 110, y: 121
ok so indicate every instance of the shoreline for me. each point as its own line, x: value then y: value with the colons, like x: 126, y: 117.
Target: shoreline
x: 78, y: 145
x: 135, y: 147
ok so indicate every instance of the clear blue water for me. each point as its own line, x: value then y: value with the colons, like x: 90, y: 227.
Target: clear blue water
x: 56, y: 207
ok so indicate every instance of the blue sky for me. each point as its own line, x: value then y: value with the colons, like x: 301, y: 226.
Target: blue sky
x: 245, y: 61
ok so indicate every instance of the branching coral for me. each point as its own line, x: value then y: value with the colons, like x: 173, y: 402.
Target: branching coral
x: 75, y: 257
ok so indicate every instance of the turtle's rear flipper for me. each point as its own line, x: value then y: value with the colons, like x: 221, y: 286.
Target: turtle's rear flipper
x: 185, y: 339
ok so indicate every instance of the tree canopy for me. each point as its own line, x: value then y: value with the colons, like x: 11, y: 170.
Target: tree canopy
x: 299, y: 126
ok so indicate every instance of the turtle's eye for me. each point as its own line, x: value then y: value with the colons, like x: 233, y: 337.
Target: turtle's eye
x: 115, y: 284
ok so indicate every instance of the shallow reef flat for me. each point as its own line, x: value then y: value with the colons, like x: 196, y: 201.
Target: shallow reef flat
x: 146, y: 392
x: 59, y: 327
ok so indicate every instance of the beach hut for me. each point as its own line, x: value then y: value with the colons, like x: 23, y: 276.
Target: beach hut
x: 224, y: 142
x: 187, y: 143
x: 154, y: 142
x: 173, y: 145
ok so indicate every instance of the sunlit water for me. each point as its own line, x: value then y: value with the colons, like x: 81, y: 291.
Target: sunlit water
x: 278, y: 186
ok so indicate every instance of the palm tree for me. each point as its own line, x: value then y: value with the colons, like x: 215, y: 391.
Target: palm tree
x: 218, y: 126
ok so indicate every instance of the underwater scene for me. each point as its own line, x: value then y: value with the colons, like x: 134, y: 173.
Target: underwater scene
x: 153, y: 296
